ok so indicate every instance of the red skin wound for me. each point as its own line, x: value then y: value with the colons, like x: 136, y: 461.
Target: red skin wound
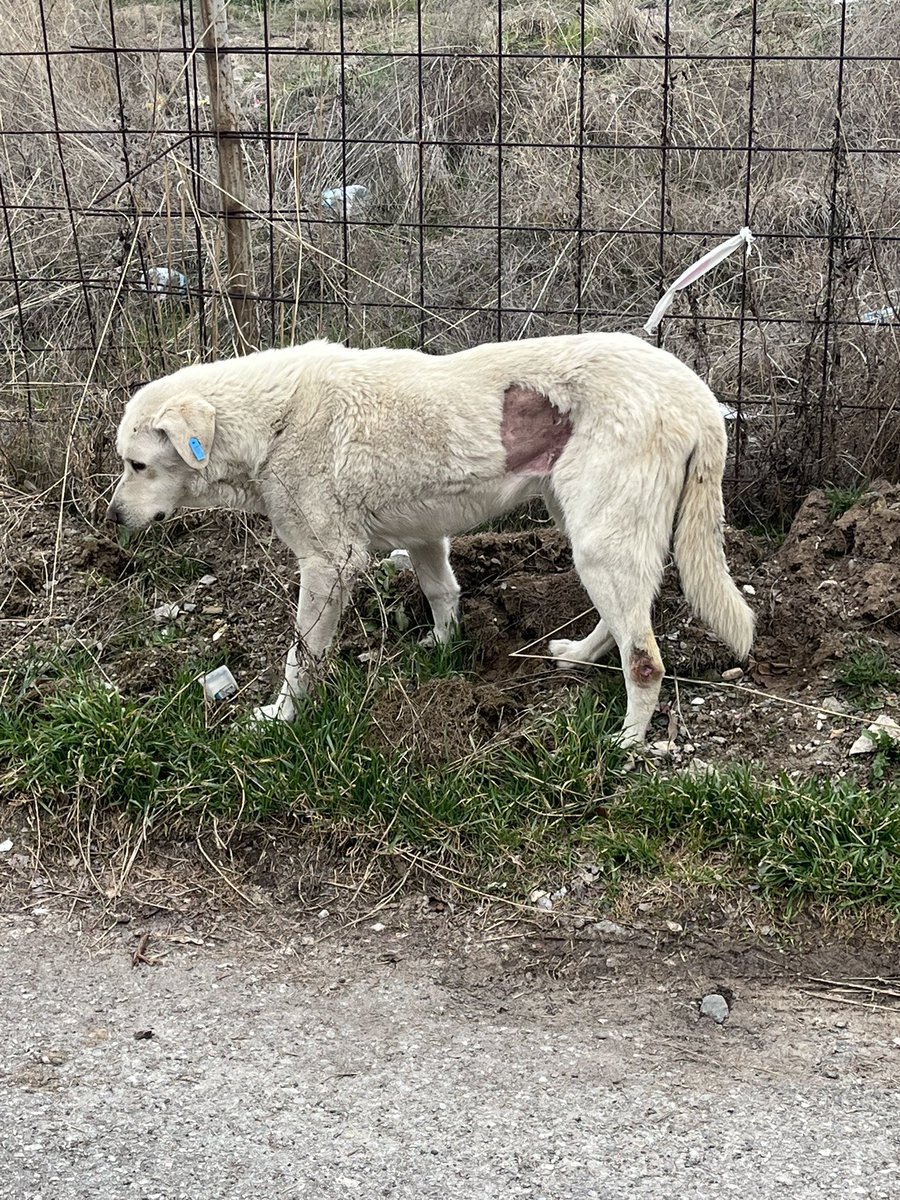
x: 534, y: 433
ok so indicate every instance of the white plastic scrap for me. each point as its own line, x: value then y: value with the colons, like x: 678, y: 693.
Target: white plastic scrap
x: 219, y: 684
x: 164, y: 279
x: 341, y: 201
x: 880, y: 316
x: 703, y: 264
x: 166, y: 612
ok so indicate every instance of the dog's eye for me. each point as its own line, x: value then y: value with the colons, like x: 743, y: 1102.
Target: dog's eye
x: 138, y: 466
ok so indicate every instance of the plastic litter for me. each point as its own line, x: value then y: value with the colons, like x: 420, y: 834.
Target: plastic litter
x: 165, y: 280
x: 344, y: 201
x: 705, y: 263
x: 219, y: 684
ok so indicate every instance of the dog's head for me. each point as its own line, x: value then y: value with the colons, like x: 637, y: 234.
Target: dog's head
x: 165, y: 439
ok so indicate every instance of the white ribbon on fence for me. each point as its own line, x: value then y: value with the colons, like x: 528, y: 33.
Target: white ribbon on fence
x: 703, y: 264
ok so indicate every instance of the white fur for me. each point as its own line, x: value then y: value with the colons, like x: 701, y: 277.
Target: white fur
x: 347, y: 451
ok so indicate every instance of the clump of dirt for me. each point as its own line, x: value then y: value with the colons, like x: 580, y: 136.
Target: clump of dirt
x: 441, y: 720
x: 833, y: 585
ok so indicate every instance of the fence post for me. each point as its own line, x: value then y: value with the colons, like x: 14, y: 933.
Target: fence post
x: 232, y: 179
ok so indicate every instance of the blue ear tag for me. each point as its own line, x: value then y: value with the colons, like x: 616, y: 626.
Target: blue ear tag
x: 197, y: 450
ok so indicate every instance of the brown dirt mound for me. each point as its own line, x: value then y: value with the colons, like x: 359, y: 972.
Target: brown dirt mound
x: 832, y: 586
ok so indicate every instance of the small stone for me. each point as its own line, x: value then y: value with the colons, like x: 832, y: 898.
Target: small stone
x: 834, y: 704
x: 715, y: 1007
x: 674, y: 927
x: 189, y: 606
x: 6, y: 846
x: 206, y: 580
x: 883, y: 725
x: 165, y: 612
x: 698, y: 700
x: 697, y: 766
x: 544, y: 903
x: 733, y: 674
x: 748, y: 589
x: 610, y: 929
x: 377, y: 927
x: 323, y: 913
x: 661, y: 749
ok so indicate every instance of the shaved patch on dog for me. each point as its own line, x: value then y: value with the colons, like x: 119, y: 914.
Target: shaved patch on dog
x: 534, y: 433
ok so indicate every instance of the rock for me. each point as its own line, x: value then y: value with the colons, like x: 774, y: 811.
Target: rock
x: 661, y: 749
x: 206, y: 580
x: 834, y: 704
x: 733, y: 674
x: 715, y: 1007
x: 6, y: 846
x: 697, y: 766
x: 165, y: 612
x: 748, y: 589
x: 698, y: 700
x: 610, y: 929
x: 883, y: 725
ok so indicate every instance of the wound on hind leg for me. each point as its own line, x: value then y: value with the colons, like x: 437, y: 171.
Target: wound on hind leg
x: 645, y: 666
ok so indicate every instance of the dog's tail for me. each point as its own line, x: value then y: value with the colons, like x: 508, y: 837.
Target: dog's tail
x: 699, y: 552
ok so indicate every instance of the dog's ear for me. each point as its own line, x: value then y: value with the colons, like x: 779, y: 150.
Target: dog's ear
x: 190, y: 425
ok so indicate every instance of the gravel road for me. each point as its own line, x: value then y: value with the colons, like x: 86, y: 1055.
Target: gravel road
x: 229, y: 1066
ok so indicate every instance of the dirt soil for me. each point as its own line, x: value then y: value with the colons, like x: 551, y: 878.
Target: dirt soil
x: 831, y: 588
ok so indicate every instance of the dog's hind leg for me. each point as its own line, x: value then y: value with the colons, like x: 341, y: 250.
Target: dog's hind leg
x: 431, y: 561
x: 324, y: 589
x: 619, y: 542
x: 624, y: 596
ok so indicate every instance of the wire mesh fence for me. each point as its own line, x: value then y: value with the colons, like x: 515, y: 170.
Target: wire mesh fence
x: 190, y: 178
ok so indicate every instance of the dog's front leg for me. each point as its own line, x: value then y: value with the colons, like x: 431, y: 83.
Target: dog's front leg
x: 324, y: 589
x: 431, y: 562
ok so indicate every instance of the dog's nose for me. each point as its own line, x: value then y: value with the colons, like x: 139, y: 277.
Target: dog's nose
x: 113, y: 514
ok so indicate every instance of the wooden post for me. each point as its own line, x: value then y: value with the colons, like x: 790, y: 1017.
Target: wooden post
x: 232, y: 179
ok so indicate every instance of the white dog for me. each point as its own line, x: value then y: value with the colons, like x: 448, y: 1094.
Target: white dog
x: 348, y: 451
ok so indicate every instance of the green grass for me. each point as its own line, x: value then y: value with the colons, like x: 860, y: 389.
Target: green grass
x: 865, y: 674
x: 552, y: 794
x: 842, y: 499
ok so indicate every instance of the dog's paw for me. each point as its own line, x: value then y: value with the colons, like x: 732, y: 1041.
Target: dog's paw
x: 279, y: 711
x: 564, y: 651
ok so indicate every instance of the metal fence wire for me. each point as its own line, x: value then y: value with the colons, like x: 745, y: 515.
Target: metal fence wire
x: 192, y: 178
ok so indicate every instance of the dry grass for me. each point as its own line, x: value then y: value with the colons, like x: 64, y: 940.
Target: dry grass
x: 821, y: 399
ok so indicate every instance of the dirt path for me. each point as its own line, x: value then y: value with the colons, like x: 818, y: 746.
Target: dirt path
x: 375, y: 1063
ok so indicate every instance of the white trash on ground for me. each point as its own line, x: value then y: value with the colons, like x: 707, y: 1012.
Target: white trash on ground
x: 344, y: 201
x: 219, y: 684
x: 162, y: 280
